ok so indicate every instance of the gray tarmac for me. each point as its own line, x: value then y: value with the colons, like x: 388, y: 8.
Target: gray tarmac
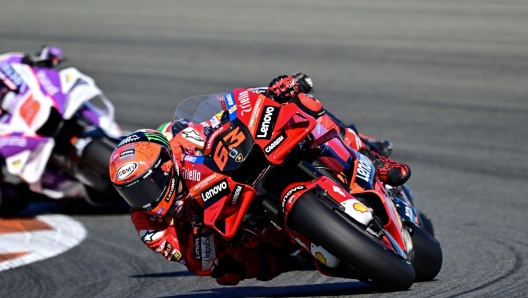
x: 446, y: 81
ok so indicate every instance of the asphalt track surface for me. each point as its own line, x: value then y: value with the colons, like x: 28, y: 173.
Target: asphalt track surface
x: 446, y: 81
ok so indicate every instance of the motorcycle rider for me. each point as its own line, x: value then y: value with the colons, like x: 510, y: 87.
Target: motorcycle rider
x: 286, y: 88
x: 296, y: 89
x: 11, y: 84
x: 145, y: 170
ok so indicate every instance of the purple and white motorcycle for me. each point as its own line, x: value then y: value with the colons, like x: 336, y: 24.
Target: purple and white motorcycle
x: 57, y: 130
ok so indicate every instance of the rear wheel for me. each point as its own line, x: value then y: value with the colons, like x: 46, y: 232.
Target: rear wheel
x: 348, y: 243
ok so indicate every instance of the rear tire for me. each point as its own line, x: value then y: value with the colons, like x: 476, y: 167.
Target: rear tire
x: 427, y: 255
x: 349, y: 244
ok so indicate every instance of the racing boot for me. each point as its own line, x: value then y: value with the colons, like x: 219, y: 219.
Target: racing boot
x: 389, y: 171
x: 383, y: 147
x: 239, y: 263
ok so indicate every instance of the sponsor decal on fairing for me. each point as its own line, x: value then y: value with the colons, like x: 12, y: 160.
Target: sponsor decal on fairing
x: 365, y: 170
x: 289, y: 193
x: 267, y: 122
x: 234, y: 153
x: 13, y: 141
x: 236, y: 194
x: 243, y: 100
x: 360, y: 207
x: 213, y: 136
x: 275, y: 143
x: 253, y: 119
x: 229, y: 100
x: 338, y: 190
x: 190, y: 158
x: 215, y: 121
x: 357, y: 211
x: 324, y: 256
x: 46, y: 83
x: 12, y: 75
x: 214, y: 193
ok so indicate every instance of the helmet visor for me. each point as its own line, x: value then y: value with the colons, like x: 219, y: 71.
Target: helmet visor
x: 146, y: 192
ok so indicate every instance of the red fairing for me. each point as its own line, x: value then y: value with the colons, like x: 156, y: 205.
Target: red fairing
x: 296, y: 190
x: 350, y: 138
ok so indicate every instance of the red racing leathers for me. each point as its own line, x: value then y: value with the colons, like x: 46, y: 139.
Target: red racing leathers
x: 176, y: 237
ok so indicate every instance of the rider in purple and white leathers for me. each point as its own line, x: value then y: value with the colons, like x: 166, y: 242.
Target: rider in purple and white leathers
x: 16, y: 121
x: 36, y: 103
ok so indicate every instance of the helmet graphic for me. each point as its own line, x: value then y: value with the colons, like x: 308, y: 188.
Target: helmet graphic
x: 143, y: 172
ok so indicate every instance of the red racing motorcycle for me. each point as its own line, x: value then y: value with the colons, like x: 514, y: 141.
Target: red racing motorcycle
x: 271, y: 174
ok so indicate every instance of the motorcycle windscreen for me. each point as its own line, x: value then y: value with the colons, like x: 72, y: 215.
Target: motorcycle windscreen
x: 198, y: 109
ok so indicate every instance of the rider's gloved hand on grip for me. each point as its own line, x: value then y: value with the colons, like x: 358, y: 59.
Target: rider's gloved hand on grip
x: 282, y: 88
x: 304, y: 81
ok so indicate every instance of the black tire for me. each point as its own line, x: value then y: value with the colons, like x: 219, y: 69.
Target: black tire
x: 427, y: 255
x: 96, y: 155
x: 426, y: 223
x: 94, y: 164
x: 350, y: 245
x: 13, y: 198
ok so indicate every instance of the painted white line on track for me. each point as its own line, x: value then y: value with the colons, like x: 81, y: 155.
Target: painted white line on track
x: 41, y: 244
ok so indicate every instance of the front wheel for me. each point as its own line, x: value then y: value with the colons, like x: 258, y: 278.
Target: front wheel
x: 93, y: 167
x: 427, y: 255
x: 348, y: 243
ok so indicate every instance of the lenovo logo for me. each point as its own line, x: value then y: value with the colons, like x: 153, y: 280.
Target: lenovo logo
x: 267, y: 122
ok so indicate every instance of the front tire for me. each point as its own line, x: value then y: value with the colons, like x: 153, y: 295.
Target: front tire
x: 427, y: 255
x: 94, y: 167
x: 351, y: 245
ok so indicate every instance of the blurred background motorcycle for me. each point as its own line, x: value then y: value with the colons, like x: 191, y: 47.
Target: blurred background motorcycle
x: 57, y: 131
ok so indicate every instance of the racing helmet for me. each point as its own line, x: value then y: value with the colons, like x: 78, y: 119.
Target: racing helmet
x: 47, y: 56
x: 143, y: 171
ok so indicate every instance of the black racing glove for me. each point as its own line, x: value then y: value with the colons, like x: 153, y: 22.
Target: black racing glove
x: 304, y: 81
x: 283, y: 88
